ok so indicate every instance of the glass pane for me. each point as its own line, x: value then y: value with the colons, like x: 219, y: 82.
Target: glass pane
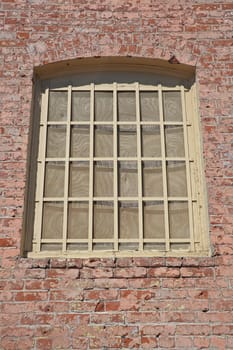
x: 57, y: 106
x: 103, y: 246
x: 172, y: 106
x: 176, y: 179
x: 103, y: 179
x: 128, y: 246
x: 126, y: 106
x: 103, y: 106
x: 128, y: 216
x: 103, y: 220
x: 56, y: 141
x: 127, y: 141
x: 54, y: 179
x: 52, y: 223
x: 128, y: 179
x: 180, y: 246
x: 151, y: 144
x: 77, y: 246
x: 51, y: 247
x: 78, y: 220
x: 79, y: 179
x: 80, y: 141
x: 80, y: 105
x: 153, y: 214
x: 152, y: 179
x: 174, y: 141
x: 103, y: 141
x: 178, y: 219
x: 154, y: 246
x: 149, y: 106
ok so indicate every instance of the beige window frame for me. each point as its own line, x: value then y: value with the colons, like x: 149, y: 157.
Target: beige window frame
x: 145, y: 233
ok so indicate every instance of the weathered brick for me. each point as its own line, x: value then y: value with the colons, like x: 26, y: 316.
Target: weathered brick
x: 116, y: 303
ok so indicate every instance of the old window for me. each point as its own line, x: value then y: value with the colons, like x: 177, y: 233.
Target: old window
x: 118, y: 170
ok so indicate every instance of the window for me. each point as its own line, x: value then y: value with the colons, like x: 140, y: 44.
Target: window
x: 118, y: 171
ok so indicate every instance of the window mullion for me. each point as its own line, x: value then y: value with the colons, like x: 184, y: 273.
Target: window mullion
x: 164, y: 169
x: 41, y: 171
x: 139, y: 162
x: 188, y: 175
x: 91, y: 168
x: 115, y: 167
x: 66, y: 179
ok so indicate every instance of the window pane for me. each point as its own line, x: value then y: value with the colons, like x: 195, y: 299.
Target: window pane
x: 52, y: 224
x: 178, y: 219
x: 149, y: 106
x: 128, y: 179
x: 103, y: 141
x: 172, y: 106
x: 103, y: 106
x: 176, y: 179
x: 126, y: 106
x: 81, y: 106
x: 127, y: 141
x: 79, y: 179
x: 51, y: 247
x: 103, y: 220
x: 56, y: 141
x: 103, y: 179
x: 151, y: 144
x: 54, y: 179
x: 78, y: 220
x: 128, y: 216
x: 57, y: 106
x: 80, y: 141
x: 174, y: 141
x: 153, y: 220
x: 152, y: 179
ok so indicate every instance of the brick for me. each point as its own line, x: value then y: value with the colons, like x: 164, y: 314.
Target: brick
x: 117, y: 303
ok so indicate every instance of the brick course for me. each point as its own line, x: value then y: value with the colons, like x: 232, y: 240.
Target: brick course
x: 172, y: 303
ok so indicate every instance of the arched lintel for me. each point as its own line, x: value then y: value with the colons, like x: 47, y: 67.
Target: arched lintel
x: 139, y: 64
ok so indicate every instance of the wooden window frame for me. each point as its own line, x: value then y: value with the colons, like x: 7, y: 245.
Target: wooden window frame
x: 196, y: 194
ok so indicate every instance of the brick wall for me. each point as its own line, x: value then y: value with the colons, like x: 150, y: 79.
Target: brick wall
x: 179, y: 303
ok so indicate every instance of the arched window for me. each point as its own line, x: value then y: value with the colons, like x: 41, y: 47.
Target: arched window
x: 115, y: 162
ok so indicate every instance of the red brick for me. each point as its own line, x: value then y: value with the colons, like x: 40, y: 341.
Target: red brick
x: 121, y: 303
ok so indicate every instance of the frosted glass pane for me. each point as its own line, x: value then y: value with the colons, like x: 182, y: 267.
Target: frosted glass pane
x: 103, y: 179
x: 153, y: 214
x: 172, y: 106
x: 103, y: 106
x: 128, y: 216
x: 80, y: 105
x: 126, y: 106
x: 54, y: 179
x: 127, y: 141
x: 103, y: 246
x: 152, y: 179
x: 176, y: 179
x: 174, y: 141
x: 178, y: 219
x: 78, y: 220
x: 51, y: 247
x: 56, y: 141
x: 151, y: 144
x: 79, y: 179
x: 103, y: 141
x: 128, y: 179
x: 103, y: 220
x: 80, y: 141
x: 57, y: 106
x: 149, y: 106
x: 128, y: 246
x: 52, y: 222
